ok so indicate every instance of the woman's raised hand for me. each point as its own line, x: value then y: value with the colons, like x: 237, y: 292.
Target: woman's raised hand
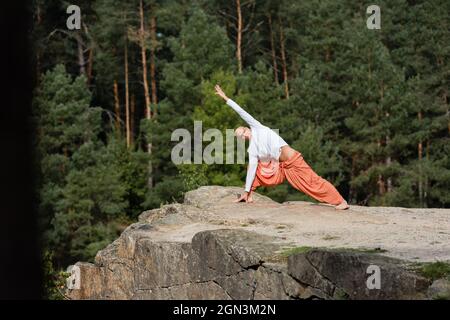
x: 220, y: 92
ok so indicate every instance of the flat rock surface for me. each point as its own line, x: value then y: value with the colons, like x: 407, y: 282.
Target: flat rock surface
x: 405, y: 233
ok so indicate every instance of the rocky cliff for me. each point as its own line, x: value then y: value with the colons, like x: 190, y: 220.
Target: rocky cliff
x: 211, y: 248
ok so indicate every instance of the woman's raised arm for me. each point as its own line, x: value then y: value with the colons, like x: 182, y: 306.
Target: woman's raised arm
x: 252, y: 122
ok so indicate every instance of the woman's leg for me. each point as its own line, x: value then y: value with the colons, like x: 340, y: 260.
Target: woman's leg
x: 262, y: 180
x: 302, y: 177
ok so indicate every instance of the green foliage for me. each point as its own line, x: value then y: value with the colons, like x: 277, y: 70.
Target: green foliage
x: 295, y: 250
x: 86, y: 185
x: 435, y: 270
x: 282, y: 193
x: 201, y: 48
x: 340, y: 294
x: 323, y: 156
x: 54, y: 281
x: 193, y: 175
x: 212, y: 111
x: 132, y: 169
x: 167, y: 191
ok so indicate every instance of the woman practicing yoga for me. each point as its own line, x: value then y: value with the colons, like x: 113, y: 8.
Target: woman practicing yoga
x: 272, y: 160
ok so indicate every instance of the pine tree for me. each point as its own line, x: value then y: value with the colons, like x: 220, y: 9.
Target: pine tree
x: 87, y: 186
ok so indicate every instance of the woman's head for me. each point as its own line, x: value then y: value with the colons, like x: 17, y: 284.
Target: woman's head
x: 243, y: 133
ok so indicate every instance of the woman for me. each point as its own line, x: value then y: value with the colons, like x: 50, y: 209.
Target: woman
x: 272, y: 160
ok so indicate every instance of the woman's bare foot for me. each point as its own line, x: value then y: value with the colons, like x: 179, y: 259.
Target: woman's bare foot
x: 342, y: 206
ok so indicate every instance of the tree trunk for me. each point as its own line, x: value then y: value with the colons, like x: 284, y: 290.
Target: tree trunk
x: 272, y: 48
x: 327, y: 54
x: 381, y: 183
x: 419, y: 156
x: 381, y: 186
x: 132, y: 114
x: 117, y: 106
x: 38, y: 13
x: 352, y: 174
x: 388, y: 163
x: 146, y: 90
x: 239, y: 36
x: 144, y: 59
x: 127, y: 125
x: 295, y: 67
x: 90, y: 64
x: 444, y: 100
x: 387, y: 141
x: 425, y: 189
x: 127, y: 96
x: 81, y: 61
x: 152, y: 63
x: 38, y: 52
x: 127, y: 91
x: 283, y: 63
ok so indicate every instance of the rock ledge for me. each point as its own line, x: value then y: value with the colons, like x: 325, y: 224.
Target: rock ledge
x: 211, y: 248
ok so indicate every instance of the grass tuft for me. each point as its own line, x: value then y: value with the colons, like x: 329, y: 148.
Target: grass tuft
x: 295, y: 250
x: 435, y: 270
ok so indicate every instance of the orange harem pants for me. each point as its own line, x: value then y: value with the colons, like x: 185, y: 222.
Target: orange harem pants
x: 300, y: 176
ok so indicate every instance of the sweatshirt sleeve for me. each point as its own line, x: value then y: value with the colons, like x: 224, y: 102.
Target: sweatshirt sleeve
x: 252, y: 122
x: 251, y: 172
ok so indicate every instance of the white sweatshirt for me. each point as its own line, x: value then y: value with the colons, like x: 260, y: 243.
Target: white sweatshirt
x: 265, y: 144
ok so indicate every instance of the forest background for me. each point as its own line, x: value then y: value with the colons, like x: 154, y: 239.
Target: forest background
x: 367, y: 108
